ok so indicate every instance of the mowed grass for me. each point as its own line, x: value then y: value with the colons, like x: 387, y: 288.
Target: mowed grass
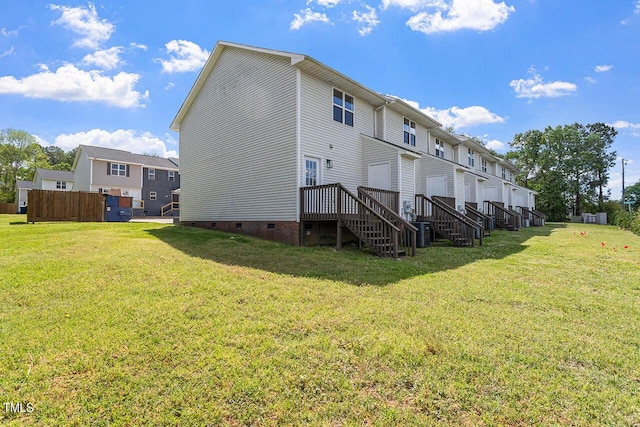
x: 134, y: 324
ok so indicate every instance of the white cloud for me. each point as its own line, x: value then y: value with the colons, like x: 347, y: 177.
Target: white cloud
x: 107, y: 59
x: 325, y: 3
x: 494, y: 144
x: 623, y: 124
x: 414, y: 5
x: 121, y: 139
x: 86, y: 23
x: 307, y: 16
x: 637, y: 8
x: 68, y: 83
x: 481, y: 15
x: 7, y: 33
x: 139, y: 46
x: 457, y: 117
x: 184, y: 56
x: 602, y: 68
x: 590, y: 79
x: 7, y: 52
x: 367, y: 20
x: 536, y: 87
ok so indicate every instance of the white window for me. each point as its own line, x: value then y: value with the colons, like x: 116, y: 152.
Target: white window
x: 118, y: 169
x: 483, y: 163
x: 343, y: 107
x: 153, y: 195
x: 439, y: 148
x: 151, y: 174
x: 172, y: 176
x: 504, y: 172
x: 471, y: 157
x: 61, y: 185
x: 409, y: 132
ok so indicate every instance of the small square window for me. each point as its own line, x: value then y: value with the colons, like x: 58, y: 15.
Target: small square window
x: 153, y: 195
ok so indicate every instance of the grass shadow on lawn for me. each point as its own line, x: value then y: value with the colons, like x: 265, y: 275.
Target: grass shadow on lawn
x: 351, y: 265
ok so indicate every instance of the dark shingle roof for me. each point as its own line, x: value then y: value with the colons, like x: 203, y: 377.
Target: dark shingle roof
x: 24, y: 184
x: 55, y: 175
x: 114, y: 155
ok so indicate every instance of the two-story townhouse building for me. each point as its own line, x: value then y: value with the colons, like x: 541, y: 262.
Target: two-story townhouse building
x: 149, y: 180
x: 50, y: 179
x: 259, y: 125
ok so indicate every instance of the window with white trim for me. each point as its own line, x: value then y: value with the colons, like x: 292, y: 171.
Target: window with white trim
x: 118, y: 169
x: 504, y: 172
x: 172, y: 176
x: 439, y: 148
x: 483, y: 164
x: 61, y: 185
x: 409, y: 128
x: 153, y: 195
x: 471, y: 159
x: 151, y: 174
x: 343, y: 107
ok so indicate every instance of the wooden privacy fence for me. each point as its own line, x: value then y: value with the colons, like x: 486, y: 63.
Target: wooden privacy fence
x: 50, y: 205
x: 8, y: 208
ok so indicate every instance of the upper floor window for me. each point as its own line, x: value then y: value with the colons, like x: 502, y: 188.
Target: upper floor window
x: 343, y: 107
x: 504, y: 172
x: 483, y: 163
x: 151, y: 174
x: 118, y: 169
x: 61, y: 185
x: 471, y: 157
x: 409, y: 132
x: 172, y: 175
x: 439, y: 148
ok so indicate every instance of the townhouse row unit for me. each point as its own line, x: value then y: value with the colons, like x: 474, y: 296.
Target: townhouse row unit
x: 279, y: 145
x: 153, y: 182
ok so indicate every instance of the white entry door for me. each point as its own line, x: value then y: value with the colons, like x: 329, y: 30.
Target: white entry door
x: 379, y: 176
x: 312, y: 175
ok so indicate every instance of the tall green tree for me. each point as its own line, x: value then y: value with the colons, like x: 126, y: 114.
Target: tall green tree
x: 633, y: 194
x: 20, y: 155
x: 567, y: 165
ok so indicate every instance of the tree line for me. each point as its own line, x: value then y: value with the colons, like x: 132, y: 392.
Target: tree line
x: 21, y: 155
x: 568, y: 166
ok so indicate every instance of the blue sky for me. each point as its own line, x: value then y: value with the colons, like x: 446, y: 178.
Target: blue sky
x: 115, y: 73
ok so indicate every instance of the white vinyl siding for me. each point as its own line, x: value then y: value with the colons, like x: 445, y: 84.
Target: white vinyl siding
x: 407, y: 183
x: 326, y: 139
x: 228, y: 175
x: 377, y: 152
x: 432, y: 166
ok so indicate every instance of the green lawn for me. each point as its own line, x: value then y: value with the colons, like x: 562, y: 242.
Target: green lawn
x: 131, y: 324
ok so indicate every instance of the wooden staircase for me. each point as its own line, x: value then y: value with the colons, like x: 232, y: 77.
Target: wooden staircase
x: 169, y: 208
x: 535, y: 218
x: 505, y: 218
x: 448, y: 222
x: 371, y: 221
x: 477, y: 216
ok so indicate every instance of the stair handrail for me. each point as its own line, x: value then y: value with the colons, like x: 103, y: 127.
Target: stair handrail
x: 389, y: 214
x: 508, y: 214
x: 458, y: 219
x: 484, y: 218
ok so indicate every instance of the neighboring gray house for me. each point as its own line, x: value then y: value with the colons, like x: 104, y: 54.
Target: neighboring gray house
x: 22, y: 191
x: 50, y: 179
x: 259, y: 125
x: 149, y: 180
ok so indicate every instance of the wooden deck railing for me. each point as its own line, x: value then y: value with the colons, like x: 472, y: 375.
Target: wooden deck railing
x: 504, y: 217
x: 169, y: 207
x: 477, y: 216
x: 407, y: 230
x: 389, y: 198
x: 335, y: 202
x: 447, y: 222
x: 535, y: 218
